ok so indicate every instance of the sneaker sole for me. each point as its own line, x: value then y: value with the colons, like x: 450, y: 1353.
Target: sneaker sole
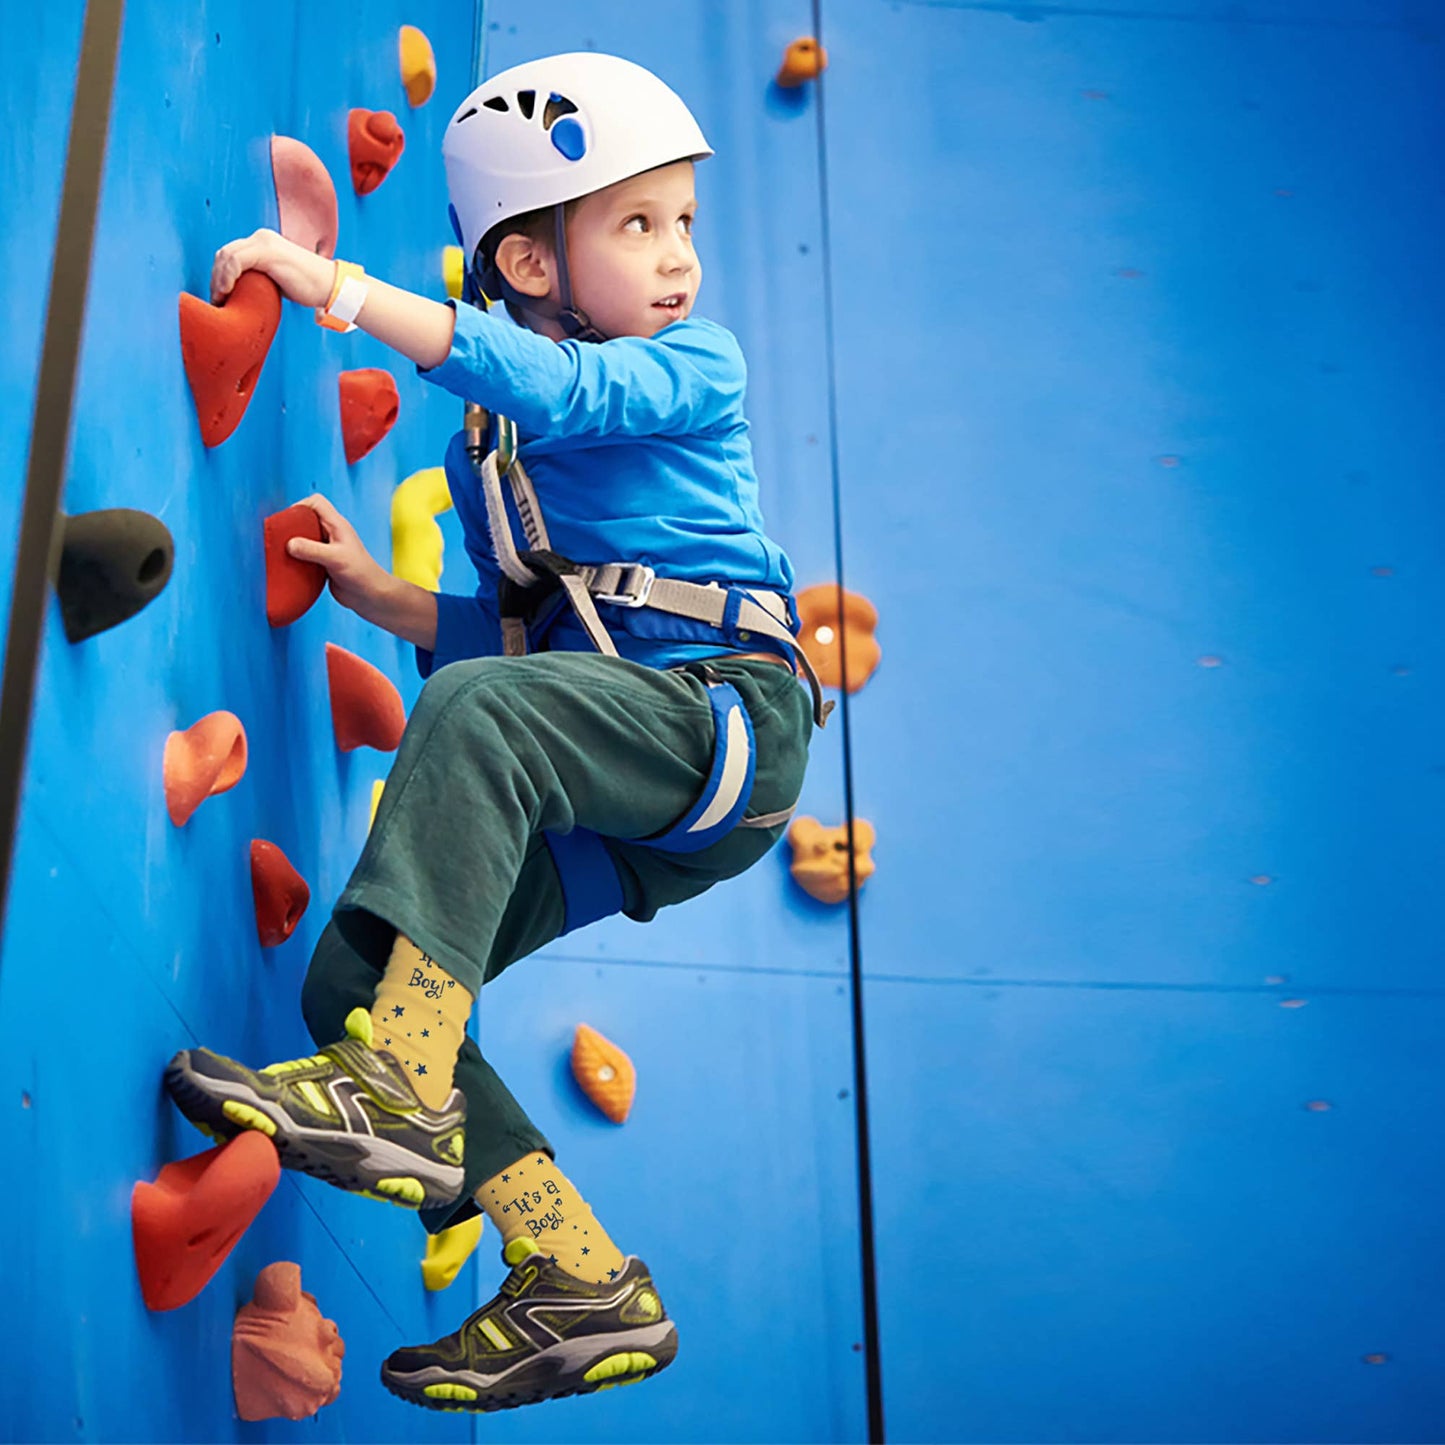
x: 359, y: 1164
x: 572, y: 1367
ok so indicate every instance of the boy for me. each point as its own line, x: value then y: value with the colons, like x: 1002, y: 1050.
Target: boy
x: 572, y: 194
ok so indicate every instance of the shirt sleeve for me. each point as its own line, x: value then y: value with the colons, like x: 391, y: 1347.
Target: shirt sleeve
x: 466, y: 627
x: 688, y: 378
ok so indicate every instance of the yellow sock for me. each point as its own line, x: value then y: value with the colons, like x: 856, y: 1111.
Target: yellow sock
x: 420, y: 1015
x: 533, y: 1199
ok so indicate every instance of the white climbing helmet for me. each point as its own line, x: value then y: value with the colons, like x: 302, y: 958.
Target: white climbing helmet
x: 554, y: 129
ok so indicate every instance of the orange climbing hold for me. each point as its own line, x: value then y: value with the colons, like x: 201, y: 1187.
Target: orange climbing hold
x: 418, y: 65
x: 305, y: 196
x: 292, y: 586
x: 185, y: 1224
x: 604, y: 1072
x: 223, y: 348
x: 366, y: 709
x: 859, y: 653
x: 279, y: 892
x: 820, y: 857
x: 209, y: 757
x: 285, y: 1355
x: 803, y: 60
x: 369, y: 407
x: 376, y: 142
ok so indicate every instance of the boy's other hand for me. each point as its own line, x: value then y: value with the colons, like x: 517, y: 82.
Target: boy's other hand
x: 302, y: 275
x: 356, y: 579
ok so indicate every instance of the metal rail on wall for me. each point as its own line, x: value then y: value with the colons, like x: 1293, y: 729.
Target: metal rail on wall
x: 37, y: 551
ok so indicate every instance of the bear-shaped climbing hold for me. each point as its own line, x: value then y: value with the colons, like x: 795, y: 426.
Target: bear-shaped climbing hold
x: 209, y: 757
x: 278, y: 891
x: 223, y: 349
x: 857, y: 653
x: 803, y: 60
x: 185, y: 1224
x: 418, y: 65
x: 448, y: 1250
x: 604, y: 1073
x: 292, y: 586
x: 112, y: 563
x: 416, y: 540
x: 820, y: 857
x: 366, y: 709
x: 305, y: 195
x: 285, y: 1355
x: 369, y: 407
x: 376, y: 142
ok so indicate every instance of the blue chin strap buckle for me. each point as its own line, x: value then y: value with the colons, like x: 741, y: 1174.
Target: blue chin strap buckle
x: 590, y: 886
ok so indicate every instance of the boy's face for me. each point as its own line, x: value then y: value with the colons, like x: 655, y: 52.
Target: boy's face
x: 629, y: 250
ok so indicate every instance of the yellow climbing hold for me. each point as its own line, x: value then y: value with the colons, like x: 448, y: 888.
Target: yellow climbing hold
x: 416, y: 539
x: 377, y: 789
x: 418, y: 65
x: 452, y: 271
x: 448, y: 1250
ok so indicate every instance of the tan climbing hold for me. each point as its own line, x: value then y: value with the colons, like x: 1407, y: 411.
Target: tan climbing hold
x: 285, y: 1355
x: 803, y: 60
x: 305, y: 196
x: 209, y: 757
x: 604, y: 1073
x: 448, y: 1250
x: 418, y: 65
x: 820, y: 857
x: 416, y: 539
x: 838, y: 639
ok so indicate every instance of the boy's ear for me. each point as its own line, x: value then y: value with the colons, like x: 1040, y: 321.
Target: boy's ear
x: 526, y: 264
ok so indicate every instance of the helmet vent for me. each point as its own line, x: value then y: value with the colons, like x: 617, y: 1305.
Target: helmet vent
x: 527, y: 102
x: 557, y: 106
x: 469, y: 114
x: 495, y: 103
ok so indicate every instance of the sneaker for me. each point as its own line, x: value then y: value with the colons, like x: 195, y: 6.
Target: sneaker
x: 545, y: 1335
x: 348, y: 1115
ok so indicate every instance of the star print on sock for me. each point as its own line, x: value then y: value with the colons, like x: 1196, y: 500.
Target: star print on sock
x: 426, y: 1033
x: 611, y: 1274
x: 397, y: 1011
x: 420, y: 1070
x: 506, y: 1178
x: 585, y: 1250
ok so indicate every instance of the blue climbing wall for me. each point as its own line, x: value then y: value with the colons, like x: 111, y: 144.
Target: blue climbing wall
x: 1119, y: 327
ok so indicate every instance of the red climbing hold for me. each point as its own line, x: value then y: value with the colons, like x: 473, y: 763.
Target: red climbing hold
x: 185, y: 1224
x: 280, y: 893
x: 366, y: 708
x: 291, y: 585
x: 369, y: 405
x: 209, y: 757
x: 305, y: 196
x: 223, y: 348
x: 285, y: 1355
x: 376, y: 143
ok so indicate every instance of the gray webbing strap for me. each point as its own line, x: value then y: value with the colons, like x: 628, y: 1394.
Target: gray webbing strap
x: 768, y: 820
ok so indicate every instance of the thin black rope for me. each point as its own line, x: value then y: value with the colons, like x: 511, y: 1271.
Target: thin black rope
x: 37, y: 552
x: 873, y: 1355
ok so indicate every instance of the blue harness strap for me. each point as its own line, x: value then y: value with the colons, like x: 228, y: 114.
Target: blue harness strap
x: 590, y: 886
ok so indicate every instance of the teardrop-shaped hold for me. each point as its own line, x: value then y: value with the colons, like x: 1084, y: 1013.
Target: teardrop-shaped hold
x: 285, y: 1355
x: 223, y: 348
x: 305, y: 195
x: 209, y: 757
x: 803, y: 60
x: 278, y: 891
x: 416, y: 540
x: 369, y: 406
x: 185, y: 1224
x: 112, y: 563
x: 604, y: 1073
x: 376, y: 142
x: 448, y: 1250
x: 836, y: 632
x: 418, y: 65
x: 292, y: 586
x: 366, y: 709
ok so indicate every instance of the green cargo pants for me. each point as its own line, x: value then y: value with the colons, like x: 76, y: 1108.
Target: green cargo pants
x: 497, y: 751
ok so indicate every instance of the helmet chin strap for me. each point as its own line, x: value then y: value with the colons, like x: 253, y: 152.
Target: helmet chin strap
x: 575, y: 323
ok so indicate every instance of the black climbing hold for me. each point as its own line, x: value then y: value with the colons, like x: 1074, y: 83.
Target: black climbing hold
x: 112, y: 564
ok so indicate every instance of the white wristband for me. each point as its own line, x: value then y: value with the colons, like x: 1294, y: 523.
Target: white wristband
x: 349, y: 301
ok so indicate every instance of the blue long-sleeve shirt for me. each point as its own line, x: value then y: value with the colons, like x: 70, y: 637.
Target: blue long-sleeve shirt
x: 638, y: 449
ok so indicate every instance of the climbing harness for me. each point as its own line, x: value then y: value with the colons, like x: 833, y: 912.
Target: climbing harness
x: 538, y: 584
